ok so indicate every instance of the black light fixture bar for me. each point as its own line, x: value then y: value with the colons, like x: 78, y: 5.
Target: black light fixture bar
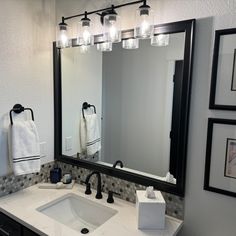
x: 104, y: 9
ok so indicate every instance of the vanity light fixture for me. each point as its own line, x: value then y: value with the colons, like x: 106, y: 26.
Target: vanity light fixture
x: 144, y: 22
x: 111, y: 28
x: 132, y: 43
x: 62, y: 36
x: 85, y: 36
x: 160, y: 40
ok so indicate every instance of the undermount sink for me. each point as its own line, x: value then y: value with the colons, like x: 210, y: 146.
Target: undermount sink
x: 77, y: 212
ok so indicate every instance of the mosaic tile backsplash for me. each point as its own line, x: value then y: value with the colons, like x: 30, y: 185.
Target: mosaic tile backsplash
x: 10, y: 184
x: 174, y: 204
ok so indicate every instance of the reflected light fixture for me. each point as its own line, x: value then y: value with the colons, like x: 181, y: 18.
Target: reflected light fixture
x: 160, y: 40
x: 132, y: 43
x: 84, y: 48
x: 104, y: 47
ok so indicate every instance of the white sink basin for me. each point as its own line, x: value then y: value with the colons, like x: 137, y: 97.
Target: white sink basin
x: 77, y: 212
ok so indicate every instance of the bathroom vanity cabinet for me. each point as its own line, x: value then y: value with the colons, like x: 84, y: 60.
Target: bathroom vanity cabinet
x: 9, y: 227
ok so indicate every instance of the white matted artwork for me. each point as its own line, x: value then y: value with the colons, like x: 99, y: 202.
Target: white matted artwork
x: 220, y: 168
x: 230, y: 158
x: 223, y: 81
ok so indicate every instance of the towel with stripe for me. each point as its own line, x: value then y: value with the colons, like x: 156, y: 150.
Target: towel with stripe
x: 90, y: 138
x: 24, y: 147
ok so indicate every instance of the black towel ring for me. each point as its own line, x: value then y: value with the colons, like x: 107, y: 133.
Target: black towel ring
x: 18, y: 108
x: 86, y: 106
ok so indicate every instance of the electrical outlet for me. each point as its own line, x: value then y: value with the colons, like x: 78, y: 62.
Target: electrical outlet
x: 68, y: 143
x: 43, y: 149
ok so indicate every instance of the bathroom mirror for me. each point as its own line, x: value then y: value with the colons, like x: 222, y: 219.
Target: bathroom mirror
x: 141, y: 99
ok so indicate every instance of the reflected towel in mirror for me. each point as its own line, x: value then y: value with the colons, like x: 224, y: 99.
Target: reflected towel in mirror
x: 90, y: 138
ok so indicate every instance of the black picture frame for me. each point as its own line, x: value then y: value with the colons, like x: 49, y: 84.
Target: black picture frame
x: 212, y: 104
x: 211, y: 122
x: 180, y: 120
x: 233, y: 72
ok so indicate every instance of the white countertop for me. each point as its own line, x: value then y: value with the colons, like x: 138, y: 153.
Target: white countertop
x: 22, y: 206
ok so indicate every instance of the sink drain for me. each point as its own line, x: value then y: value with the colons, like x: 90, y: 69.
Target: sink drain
x: 84, y: 231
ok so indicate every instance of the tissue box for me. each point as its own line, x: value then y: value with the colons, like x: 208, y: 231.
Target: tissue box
x: 151, y: 212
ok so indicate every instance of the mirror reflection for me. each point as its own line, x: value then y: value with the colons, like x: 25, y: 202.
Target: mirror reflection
x: 132, y: 93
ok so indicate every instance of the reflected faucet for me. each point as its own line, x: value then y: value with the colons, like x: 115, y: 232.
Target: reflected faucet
x: 118, y: 162
x: 99, y: 183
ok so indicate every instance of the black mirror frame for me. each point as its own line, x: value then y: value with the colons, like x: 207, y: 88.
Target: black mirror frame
x: 188, y: 27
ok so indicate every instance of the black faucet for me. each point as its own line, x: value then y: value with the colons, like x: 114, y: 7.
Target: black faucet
x: 99, y: 183
x: 118, y: 162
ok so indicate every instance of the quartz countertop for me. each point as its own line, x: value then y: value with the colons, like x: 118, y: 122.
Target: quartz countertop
x: 21, y: 206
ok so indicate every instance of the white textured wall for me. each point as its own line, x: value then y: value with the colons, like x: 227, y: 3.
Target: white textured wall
x: 26, y: 72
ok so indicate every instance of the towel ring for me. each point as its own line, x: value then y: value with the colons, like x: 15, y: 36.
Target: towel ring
x: 18, y: 108
x: 86, y: 106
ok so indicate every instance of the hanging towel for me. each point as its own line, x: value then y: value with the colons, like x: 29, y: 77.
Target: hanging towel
x: 24, y: 147
x: 93, y: 135
x: 90, y: 139
x: 83, y: 136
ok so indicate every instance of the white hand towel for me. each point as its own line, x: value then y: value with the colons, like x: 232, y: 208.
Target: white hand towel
x: 90, y: 138
x: 83, y: 136
x: 24, y: 147
x: 93, y: 135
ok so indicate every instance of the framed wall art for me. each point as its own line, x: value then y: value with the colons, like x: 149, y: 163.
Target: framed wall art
x: 223, y: 78
x: 220, y: 165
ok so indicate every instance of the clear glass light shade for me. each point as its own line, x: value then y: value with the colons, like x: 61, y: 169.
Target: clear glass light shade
x: 144, y: 26
x: 85, y: 36
x: 130, y: 43
x: 104, y: 47
x: 63, y: 39
x: 111, y: 28
x: 160, y: 40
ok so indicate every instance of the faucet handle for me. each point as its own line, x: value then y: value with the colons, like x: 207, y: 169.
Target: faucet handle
x: 88, y: 187
x: 110, y: 198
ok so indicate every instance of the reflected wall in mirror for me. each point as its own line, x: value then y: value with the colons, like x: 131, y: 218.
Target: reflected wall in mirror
x: 141, y: 97
x: 132, y: 91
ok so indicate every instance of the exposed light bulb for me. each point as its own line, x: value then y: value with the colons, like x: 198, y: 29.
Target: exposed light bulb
x: 145, y: 27
x: 63, y: 38
x: 86, y: 36
x: 113, y: 32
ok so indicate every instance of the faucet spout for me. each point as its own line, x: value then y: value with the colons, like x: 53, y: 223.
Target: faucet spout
x: 118, y: 162
x: 99, y: 183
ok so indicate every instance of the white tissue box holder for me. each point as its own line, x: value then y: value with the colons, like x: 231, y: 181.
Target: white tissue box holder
x: 151, y: 212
